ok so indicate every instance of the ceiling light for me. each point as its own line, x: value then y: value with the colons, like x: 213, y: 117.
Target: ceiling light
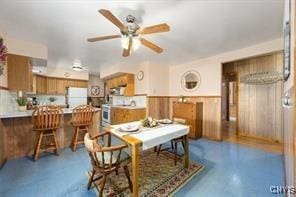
x: 77, y: 65
x: 136, y: 43
x: 124, y: 42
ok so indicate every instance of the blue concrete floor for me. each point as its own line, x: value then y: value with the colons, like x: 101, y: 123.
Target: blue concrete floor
x: 230, y: 170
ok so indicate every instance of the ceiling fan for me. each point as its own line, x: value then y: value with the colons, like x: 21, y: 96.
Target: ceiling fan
x: 130, y: 32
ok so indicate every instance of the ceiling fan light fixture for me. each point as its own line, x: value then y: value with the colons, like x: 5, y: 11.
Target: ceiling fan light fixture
x: 124, y: 42
x: 136, y: 43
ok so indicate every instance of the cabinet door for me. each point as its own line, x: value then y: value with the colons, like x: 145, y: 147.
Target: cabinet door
x: 61, y: 86
x: 19, y: 73
x: 122, y: 80
x: 41, y: 85
x: 114, y: 116
x: 71, y: 83
x: 81, y: 84
x: 51, y: 85
x: 130, y: 85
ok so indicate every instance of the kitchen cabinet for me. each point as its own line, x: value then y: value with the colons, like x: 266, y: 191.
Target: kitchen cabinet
x: 41, y: 84
x: 122, y: 80
x: 61, y: 86
x: 51, y: 85
x: 123, y: 115
x: 193, y: 114
x: 19, y: 73
x: 81, y: 84
x: 125, y: 80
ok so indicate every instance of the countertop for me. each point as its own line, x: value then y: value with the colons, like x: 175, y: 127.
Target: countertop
x: 127, y: 107
x: 28, y: 113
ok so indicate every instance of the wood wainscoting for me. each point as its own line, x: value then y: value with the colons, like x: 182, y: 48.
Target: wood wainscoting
x: 162, y: 107
x: 18, y: 140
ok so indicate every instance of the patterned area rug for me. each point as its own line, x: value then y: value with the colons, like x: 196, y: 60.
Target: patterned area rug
x: 158, y: 176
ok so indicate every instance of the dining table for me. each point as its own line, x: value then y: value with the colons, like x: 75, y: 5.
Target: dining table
x: 147, y: 138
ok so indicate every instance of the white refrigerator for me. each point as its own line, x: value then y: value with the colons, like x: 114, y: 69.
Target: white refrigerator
x: 76, y: 96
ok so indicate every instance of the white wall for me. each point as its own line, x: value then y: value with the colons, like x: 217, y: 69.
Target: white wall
x: 158, y: 80
x: 210, y: 68
x: 25, y: 48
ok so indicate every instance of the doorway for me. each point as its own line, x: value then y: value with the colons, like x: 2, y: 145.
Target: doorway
x: 229, y: 104
x: 252, y: 112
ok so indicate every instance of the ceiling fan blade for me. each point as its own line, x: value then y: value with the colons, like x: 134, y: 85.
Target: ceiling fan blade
x: 154, y: 29
x: 126, y: 52
x: 103, y: 38
x: 151, y: 46
x: 107, y: 14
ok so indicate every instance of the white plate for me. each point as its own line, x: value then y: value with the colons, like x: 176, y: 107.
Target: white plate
x: 165, y: 121
x: 129, y: 128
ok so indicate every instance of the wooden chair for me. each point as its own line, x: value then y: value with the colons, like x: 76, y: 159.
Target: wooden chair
x: 81, y: 119
x: 174, y: 142
x: 46, y: 120
x: 105, y: 159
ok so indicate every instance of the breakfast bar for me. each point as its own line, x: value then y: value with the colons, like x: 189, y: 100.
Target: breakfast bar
x: 17, y: 139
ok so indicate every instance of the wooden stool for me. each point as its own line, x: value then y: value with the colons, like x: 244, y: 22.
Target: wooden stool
x: 46, y: 120
x: 81, y: 119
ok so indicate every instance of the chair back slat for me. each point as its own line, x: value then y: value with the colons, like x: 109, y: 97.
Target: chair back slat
x: 82, y: 115
x: 47, y: 117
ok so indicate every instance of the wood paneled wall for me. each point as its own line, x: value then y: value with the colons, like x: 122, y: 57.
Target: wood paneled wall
x: 162, y: 107
x: 3, y: 155
x: 159, y: 107
x: 259, y: 106
x: 17, y: 138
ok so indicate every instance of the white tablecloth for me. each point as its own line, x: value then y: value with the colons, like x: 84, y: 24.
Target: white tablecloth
x: 151, y: 137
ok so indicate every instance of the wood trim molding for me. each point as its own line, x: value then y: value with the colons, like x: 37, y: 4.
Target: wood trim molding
x: 3, y: 88
x: 68, y: 78
x: 207, y: 96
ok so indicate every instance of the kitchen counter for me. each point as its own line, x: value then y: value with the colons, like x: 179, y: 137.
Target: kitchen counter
x: 127, y: 107
x: 28, y: 113
x: 17, y: 139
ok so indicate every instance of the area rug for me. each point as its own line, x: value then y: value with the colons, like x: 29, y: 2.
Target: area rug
x: 159, y: 177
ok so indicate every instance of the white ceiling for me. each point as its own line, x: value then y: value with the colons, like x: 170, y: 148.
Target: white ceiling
x: 199, y: 28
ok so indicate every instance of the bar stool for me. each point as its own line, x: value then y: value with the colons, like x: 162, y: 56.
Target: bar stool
x: 81, y: 119
x: 46, y: 120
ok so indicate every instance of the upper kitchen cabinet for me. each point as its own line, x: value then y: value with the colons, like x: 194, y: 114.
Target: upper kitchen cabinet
x: 61, y: 85
x: 41, y: 84
x: 51, y: 85
x: 19, y: 73
x: 124, y: 81
x: 58, y: 85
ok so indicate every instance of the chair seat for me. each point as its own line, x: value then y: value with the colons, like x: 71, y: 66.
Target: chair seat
x: 124, y: 157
